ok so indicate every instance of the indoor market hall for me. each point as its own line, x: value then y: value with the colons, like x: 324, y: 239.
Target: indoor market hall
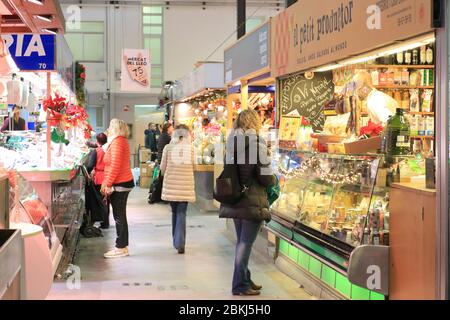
x: 154, y: 269
x: 292, y: 152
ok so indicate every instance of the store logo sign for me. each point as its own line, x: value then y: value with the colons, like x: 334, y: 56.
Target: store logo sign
x: 374, y: 19
x: 31, y: 52
x: 374, y: 279
x: 73, y: 20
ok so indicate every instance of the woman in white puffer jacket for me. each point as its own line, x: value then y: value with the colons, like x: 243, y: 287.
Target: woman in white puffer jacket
x: 177, y: 168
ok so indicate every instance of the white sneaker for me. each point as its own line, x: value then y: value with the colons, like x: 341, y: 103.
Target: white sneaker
x: 116, y: 253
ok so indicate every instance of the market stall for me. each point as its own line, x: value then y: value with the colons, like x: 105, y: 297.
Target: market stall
x: 201, y: 105
x: 356, y: 139
x: 48, y: 153
x: 250, y: 84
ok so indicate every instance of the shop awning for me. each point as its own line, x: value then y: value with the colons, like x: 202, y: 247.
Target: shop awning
x: 31, y: 16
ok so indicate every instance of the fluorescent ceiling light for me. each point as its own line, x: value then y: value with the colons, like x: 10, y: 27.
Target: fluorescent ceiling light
x: 328, y: 67
x: 52, y: 31
x: 47, y: 18
x: 39, y: 2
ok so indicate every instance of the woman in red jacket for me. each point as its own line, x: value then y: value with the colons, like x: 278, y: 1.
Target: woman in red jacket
x: 118, y: 182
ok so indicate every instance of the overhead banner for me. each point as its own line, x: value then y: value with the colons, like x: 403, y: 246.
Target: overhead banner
x: 32, y: 52
x: 249, y: 55
x: 307, y: 35
x: 135, y: 70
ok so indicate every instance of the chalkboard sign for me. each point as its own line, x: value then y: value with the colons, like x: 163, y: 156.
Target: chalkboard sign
x: 304, y: 97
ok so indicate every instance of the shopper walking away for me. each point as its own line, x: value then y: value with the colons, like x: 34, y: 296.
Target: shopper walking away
x: 164, y: 139
x: 150, y: 140
x: 118, y: 182
x: 15, y: 122
x: 252, y: 209
x: 96, y: 168
x: 177, y: 168
x: 154, y: 193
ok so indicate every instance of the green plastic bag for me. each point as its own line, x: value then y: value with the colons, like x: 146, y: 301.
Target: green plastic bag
x: 273, y: 192
x: 156, y: 172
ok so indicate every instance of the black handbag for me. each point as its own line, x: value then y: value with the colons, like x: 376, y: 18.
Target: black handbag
x: 156, y: 190
x: 228, y: 189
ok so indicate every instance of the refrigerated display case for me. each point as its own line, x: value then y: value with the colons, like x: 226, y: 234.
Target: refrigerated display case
x: 331, y: 204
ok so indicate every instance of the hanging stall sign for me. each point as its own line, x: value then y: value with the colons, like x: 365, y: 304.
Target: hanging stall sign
x: 208, y: 75
x: 302, y: 97
x: 135, y: 70
x: 249, y: 55
x: 32, y: 52
x: 307, y: 35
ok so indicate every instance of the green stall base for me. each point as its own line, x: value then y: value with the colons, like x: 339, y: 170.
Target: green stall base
x: 327, y: 275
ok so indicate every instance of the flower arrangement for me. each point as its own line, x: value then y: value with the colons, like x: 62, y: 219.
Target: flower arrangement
x: 87, y: 130
x: 56, y: 107
x: 371, y: 130
x: 75, y: 115
x: 80, y: 71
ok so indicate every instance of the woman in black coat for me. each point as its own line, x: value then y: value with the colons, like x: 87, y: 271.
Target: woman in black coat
x: 252, y: 210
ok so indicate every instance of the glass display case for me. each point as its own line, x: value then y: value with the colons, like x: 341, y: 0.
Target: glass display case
x: 336, y: 198
x: 27, y: 207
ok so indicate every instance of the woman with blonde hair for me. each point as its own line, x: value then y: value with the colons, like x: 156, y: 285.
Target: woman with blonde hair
x: 118, y: 182
x: 177, y: 168
x: 249, y: 151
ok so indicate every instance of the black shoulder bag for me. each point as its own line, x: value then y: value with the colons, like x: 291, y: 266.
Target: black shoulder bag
x: 228, y: 189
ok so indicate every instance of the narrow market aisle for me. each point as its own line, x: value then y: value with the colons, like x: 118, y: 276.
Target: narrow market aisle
x: 155, y: 270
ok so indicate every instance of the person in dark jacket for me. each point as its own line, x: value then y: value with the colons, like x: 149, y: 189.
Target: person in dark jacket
x: 96, y: 166
x: 14, y: 123
x: 252, y: 210
x: 150, y: 140
x: 164, y: 139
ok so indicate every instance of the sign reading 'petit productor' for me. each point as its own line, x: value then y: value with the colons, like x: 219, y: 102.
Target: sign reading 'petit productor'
x: 135, y: 70
x: 307, y: 35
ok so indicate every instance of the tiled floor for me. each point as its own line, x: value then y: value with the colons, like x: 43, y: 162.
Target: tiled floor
x: 155, y: 270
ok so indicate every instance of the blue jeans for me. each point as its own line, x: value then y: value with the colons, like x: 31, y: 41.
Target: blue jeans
x: 246, y: 232
x: 179, y: 224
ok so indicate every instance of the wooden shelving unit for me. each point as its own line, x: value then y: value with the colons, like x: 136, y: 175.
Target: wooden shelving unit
x: 420, y: 113
x: 394, y: 87
x: 422, y: 137
x: 404, y: 66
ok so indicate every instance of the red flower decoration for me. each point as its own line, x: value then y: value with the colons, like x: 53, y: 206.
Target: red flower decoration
x: 75, y: 115
x: 83, y: 76
x: 371, y: 130
x: 56, y: 107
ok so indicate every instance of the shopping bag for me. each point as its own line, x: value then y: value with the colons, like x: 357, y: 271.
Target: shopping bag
x: 156, y: 186
x: 273, y: 192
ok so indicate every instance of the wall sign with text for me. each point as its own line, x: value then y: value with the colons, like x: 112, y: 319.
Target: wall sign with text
x: 308, y: 35
x: 303, y: 97
x: 135, y: 70
x: 32, y: 52
x: 248, y: 55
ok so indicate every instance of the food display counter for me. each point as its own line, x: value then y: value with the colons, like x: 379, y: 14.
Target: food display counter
x: 357, y: 135
x: 52, y: 198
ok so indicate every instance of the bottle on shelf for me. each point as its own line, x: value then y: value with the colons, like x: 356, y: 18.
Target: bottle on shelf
x: 398, y: 135
x: 415, y: 57
x: 423, y: 55
x: 400, y: 58
x: 430, y: 55
x: 405, y: 100
x: 408, y: 57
